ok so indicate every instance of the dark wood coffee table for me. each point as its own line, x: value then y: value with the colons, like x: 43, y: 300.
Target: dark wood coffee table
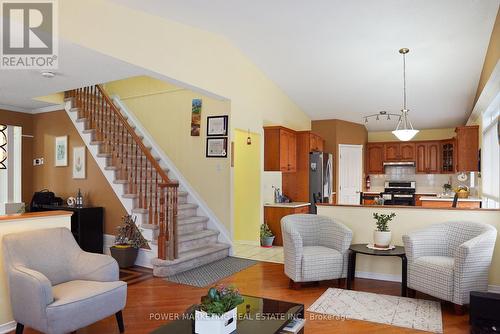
x: 399, y: 251
x: 265, y: 316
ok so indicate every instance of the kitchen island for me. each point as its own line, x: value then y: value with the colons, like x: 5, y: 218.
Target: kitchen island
x: 446, y: 202
x: 273, y: 212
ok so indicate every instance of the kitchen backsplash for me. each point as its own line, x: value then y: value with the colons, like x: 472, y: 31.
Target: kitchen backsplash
x: 432, y: 183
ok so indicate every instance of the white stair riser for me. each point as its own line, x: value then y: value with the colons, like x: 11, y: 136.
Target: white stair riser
x: 186, y: 213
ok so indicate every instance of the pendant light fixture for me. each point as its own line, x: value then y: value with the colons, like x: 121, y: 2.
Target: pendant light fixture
x: 404, y: 129
x: 3, y: 146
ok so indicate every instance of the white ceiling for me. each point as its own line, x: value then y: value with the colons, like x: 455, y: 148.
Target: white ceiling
x: 339, y: 59
x: 78, y: 67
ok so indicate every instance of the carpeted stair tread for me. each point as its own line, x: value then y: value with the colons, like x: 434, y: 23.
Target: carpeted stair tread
x: 192, y: 254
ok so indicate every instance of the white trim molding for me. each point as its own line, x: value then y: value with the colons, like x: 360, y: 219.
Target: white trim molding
x: 7, y: 327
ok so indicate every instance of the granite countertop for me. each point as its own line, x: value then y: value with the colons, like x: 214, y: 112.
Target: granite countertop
x: 287, y: 205
x: 450, y: 199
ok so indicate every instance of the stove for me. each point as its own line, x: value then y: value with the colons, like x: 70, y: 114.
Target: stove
x: 399, y: 193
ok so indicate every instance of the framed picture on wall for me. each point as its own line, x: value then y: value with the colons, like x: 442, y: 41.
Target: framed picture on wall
x: 61, y: 151
x: 217, y: 147
x: 79, y: 162
x: 217, y: 126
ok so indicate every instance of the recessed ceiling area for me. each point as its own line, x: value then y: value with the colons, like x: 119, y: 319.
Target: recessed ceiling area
x: 78, y: 67
x: 339, y: 59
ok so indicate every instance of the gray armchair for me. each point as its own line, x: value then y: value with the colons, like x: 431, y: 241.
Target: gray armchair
x: 55, y: 287
x: 450, y: 260
x: 315, y: 247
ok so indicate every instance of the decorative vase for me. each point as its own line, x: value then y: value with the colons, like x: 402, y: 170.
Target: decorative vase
x: 214, y: 324
x: 267, y: 242
x: 382, y: 239
x: 125, y: 256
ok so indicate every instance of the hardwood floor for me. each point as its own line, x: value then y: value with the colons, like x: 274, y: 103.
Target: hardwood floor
x: 157, y: 297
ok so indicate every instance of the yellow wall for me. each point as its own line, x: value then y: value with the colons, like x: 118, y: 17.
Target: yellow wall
x: 247, y: 190
x: 165, y: 111
x: 57, y: 98
x: 184, y: 53
x: 425, y: 134
x: 360, y: 221
x: 21, y: 225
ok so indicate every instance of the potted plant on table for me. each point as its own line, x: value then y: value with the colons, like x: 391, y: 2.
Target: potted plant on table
x: 127, y: 242
x: 266, y: 236
x: 382, y: 235
x: 217, y: 313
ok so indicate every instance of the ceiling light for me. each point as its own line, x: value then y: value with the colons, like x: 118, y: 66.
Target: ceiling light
x: 48, y: 74
x: 404, y: 130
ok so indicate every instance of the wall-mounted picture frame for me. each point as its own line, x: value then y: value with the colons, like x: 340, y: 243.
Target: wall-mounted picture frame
x: 195, y: 117
x: 217, y: 126
x: 79, y: 163
x: 61, y: 151
x: 216, y: 147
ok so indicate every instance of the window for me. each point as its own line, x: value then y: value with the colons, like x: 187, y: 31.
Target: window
x: 10, y: 178
x: 490, y: 156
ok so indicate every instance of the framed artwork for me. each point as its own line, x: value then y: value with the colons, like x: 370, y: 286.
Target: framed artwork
x: 79, y: 162
x: 195, y: 117
x: 217, y: 125
x: 61, y: 151
x: 217, y: 147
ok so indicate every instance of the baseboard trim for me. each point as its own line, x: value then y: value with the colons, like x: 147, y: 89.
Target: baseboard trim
x: 494, y: 288
x: 247, y: 242
x: 7, y: 327
x: 143, y: 258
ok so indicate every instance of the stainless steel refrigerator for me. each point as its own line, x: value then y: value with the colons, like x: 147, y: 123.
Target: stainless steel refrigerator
x: 320, y: 178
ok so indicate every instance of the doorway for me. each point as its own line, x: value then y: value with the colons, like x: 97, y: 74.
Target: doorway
x: 350, y: 173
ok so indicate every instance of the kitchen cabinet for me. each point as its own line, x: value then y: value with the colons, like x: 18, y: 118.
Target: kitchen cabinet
x: 316, y: 143
x: 427, y: 157
x: 374, y: 159
x: 467, y: 148
x: 392, y: 152
x: 418, y: 201
x: 273, y: 215
x: 448, y: 204
x: 280, y: 149
x: 407, y: 152
x: 448, y: 156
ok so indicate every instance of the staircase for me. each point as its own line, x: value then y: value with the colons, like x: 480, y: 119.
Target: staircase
x: 174, y: 224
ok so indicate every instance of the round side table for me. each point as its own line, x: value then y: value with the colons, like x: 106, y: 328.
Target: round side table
x: 399, y: 251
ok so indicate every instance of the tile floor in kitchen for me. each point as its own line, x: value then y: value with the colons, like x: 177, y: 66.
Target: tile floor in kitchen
x: 254, y: 252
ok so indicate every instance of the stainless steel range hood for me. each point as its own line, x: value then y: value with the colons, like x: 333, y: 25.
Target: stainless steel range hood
x: 399, y: 164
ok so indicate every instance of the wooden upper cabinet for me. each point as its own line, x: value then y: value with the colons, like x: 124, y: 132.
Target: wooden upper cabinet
x: 448, y: 156
x: 407, y: 152
x: 467, y: 148
x: 392, y: 151
x: 374, y: 158
x: 315, y: 143
x: 428, y: 157
x: 280, y: 149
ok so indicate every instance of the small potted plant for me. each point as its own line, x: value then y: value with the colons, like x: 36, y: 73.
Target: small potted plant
x: 266, y: 236
x: 382, y: 235
x: 217, y: 313
x: 127, y: 242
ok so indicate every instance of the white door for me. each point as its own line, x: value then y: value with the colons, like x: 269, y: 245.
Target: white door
x: 350, y: 173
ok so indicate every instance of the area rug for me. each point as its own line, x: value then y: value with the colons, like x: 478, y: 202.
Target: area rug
x: 392, y: 310
x: 211, y: 273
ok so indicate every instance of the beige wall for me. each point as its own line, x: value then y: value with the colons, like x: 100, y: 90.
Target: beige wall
x: 95, y: 188
x: 165, y: 112
x: 492, y: 56
x: 360, y: 221
x: 425, y: 134
x: 21, y: 224
x: 26, y: 122
x: 336, y: 132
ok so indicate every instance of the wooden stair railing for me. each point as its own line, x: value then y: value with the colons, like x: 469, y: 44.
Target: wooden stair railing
x: 155, y: 191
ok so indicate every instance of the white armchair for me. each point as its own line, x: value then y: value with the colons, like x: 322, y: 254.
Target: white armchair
x: 55, y: 287
x: 450, y: 260
x: 316, y: 248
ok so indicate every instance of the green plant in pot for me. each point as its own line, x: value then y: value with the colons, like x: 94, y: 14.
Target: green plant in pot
x: 127, y: 242
x: 217, y: 313
x: 266, y: 236
x: 382, y: 235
